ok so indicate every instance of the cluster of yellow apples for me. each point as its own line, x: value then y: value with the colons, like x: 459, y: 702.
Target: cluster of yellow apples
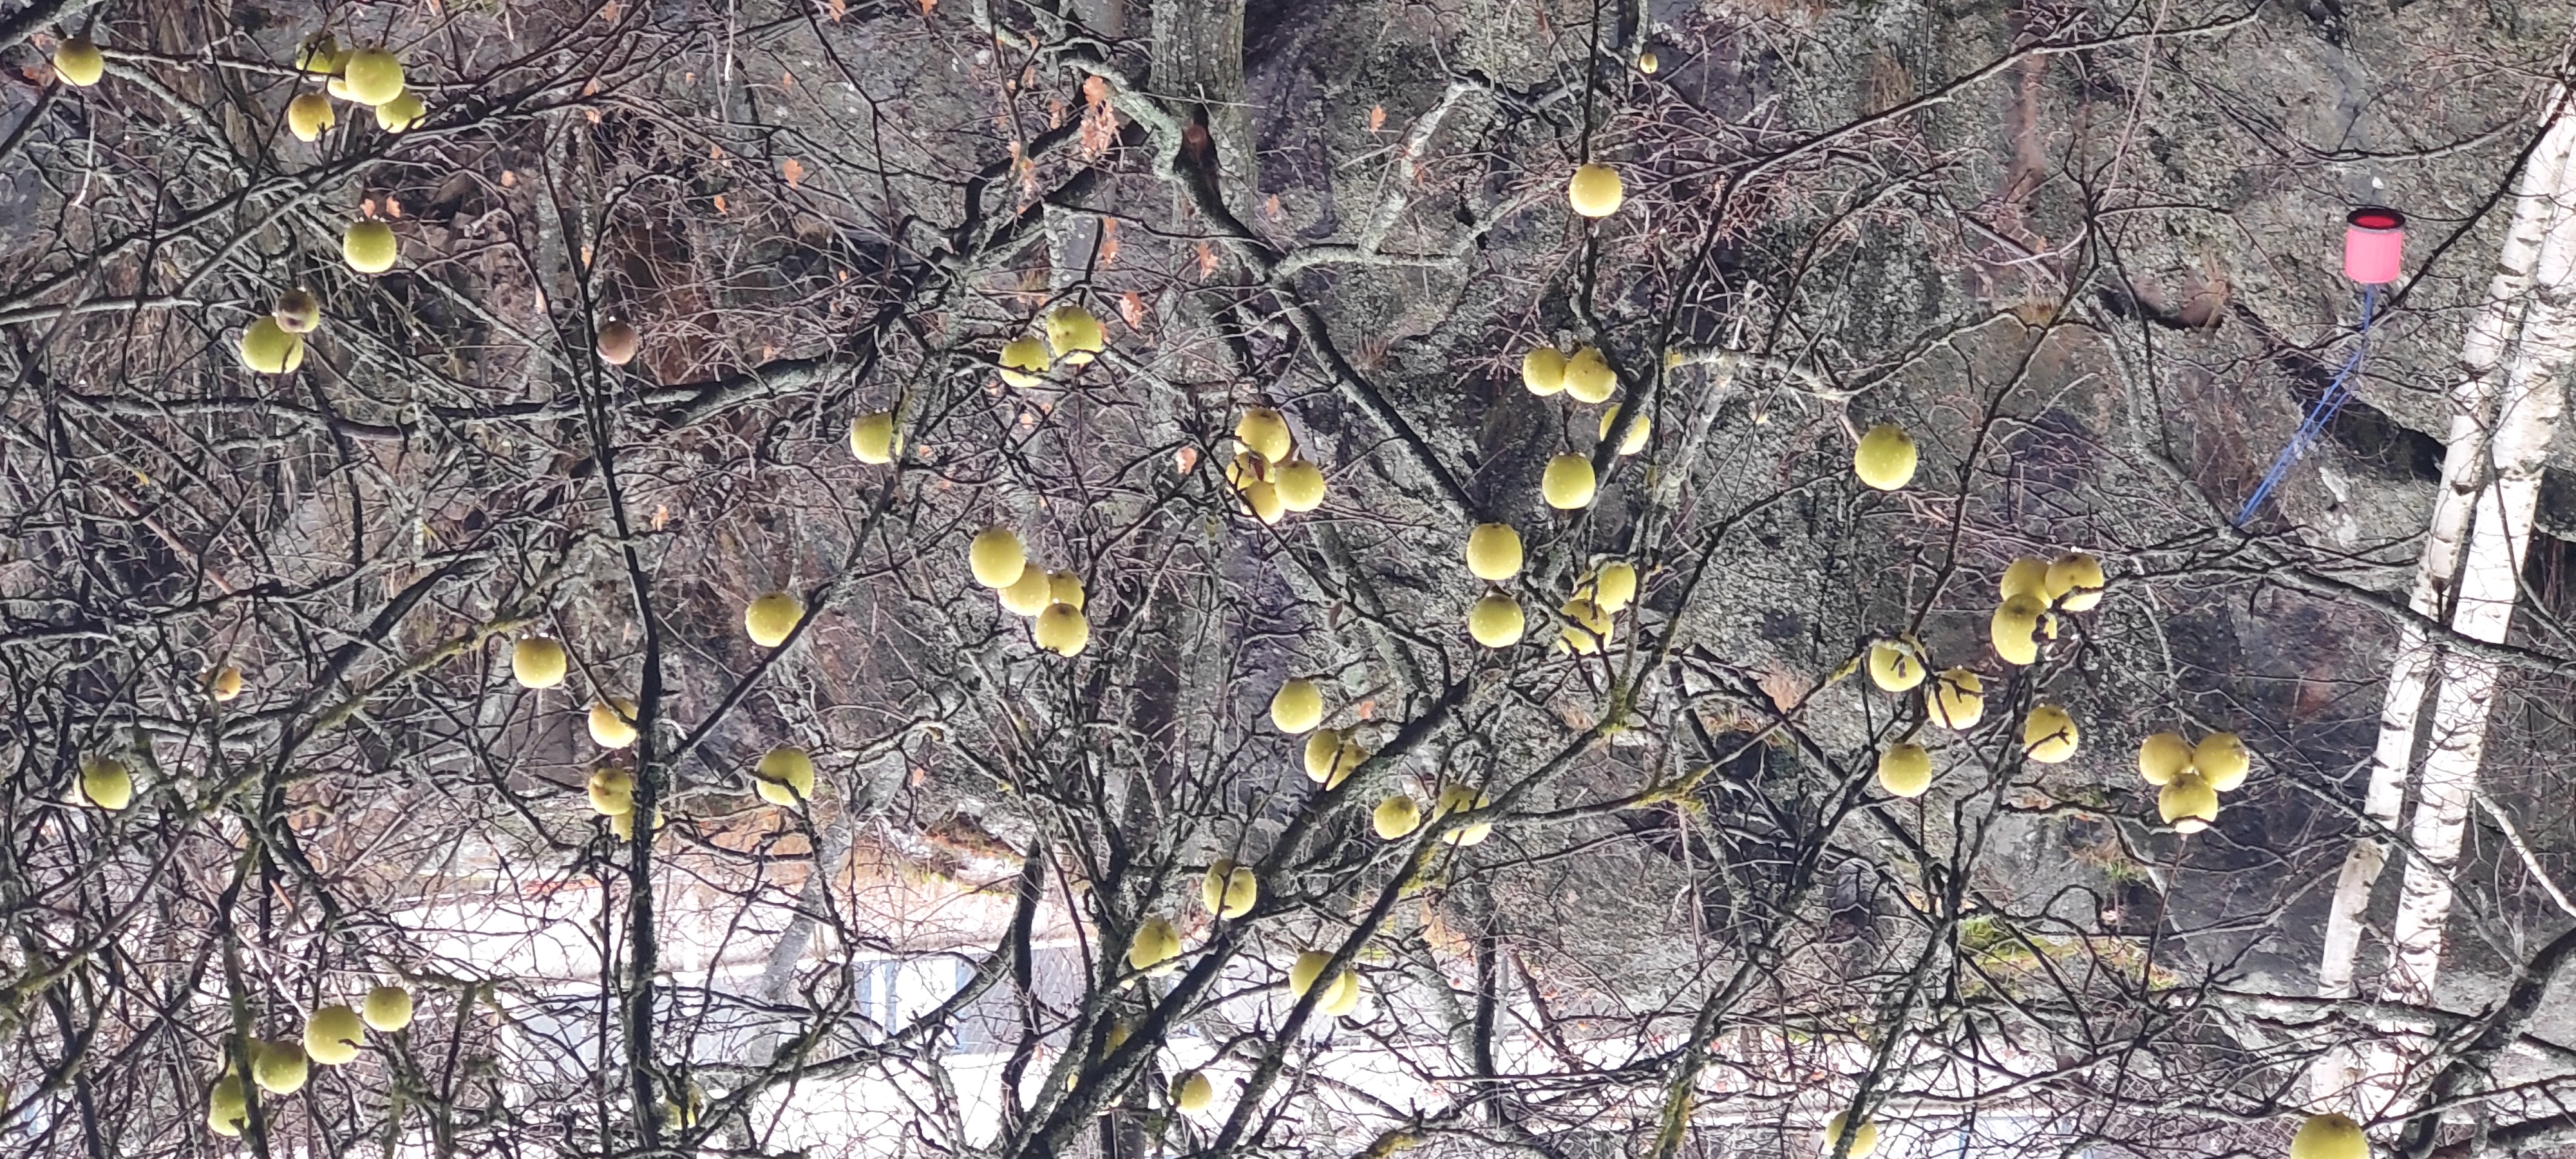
x: 1600, y: 595
x: 274, y: 342
x: 1229, y: 890
x: 1957, y: 700
x: 368, y: 76
x: 2189, y: 777
x: 2049, y: 734
x: 2033, y: 592
x: 1584, y: 376
x: 1398, y: 816
x: 1494, y: 555
x: 1568, y: 482
x: 2320, y: 1137
x: 1268, y: 473
x: 1341, y: 995
x: 539, y: 662
x: 332, y: 1036
x: 1886, y: 457
x: 1053, y: 600
x: 612, y: 795
x: 1331, y: 753
x: 1073, y: 336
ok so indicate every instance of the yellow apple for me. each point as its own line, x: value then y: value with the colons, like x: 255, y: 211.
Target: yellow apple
x: 872, y: 437
x: 1885, y: 458
x: 1614, y: 587
x: 2162, y: 757
x: 996, y: 557
x: 1958, y: 700
x: 387, y: 1009
x: 332, y: 1036
x: 1192, y: 1093
x: 1568, y: 482
x: 769, y: 619
x: 537, y: 662
x: 279, y: 1067
x: 1594, y: 190
x: 1030, y: 594
x: 1023, y: 361
x: 2048, y: 734
x: 78, y: 61
x: 2188, y: 804
x: 1905, y: 770
x: 1395, y: 817
x: 369, y: 247
x: 2221, y: 757
x: 1076, y: 334
x: 1895, y: 665
x: 106, y: 783
x: 372, y: 76
x: 1863, y: 1141
x: 1588, y: 377
x: 1543, y: 370
x: 267, y: 348
x: 308, y: 115
x: 1297, y: 706
x: 1265, y: 431
x: 401, y: 113
x: 1300, y: 485
x: 1061, y: 629
x: 785, y: 776
x: 228, y: 1107
x: 2329, y: 1137
x: 612, y: 722
x: 1493, y: 551
x: 1496, y: 621
x: 611, y: 791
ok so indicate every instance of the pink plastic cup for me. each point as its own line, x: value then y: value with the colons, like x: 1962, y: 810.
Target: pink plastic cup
x: 2374, y: 241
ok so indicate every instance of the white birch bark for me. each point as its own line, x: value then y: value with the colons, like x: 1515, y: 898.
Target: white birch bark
x: 2542, y: 206
x: 2490, y: 581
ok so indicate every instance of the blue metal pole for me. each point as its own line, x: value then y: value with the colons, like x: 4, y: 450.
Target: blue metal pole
x: 2327, y: 406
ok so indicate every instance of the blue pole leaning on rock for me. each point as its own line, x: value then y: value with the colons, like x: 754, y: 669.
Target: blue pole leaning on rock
x: 2374, y: 241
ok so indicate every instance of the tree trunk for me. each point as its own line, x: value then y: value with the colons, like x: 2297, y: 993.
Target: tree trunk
x: 2468, y: 574
x: 1198, y: 56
